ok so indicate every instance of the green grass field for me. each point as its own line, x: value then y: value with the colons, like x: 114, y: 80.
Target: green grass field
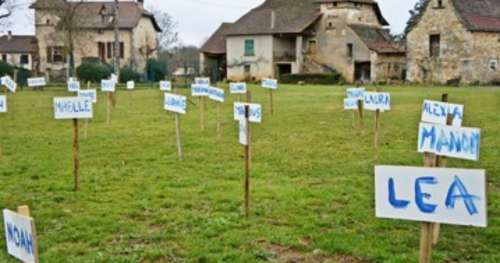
x: 311, y: 185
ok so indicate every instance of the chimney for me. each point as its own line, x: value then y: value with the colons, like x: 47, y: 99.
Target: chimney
x: 9, y: 35
x: 273, y: 19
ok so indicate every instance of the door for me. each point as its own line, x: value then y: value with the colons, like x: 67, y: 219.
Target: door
x: 362, y: 71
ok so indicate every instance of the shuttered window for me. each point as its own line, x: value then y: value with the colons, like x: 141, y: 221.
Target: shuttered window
x: 249, y: 47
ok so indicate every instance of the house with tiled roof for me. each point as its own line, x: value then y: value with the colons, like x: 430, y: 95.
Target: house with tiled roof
x: 94, y: 37
x: 313, y: 36
x: 213, y: 54
x: 20, y: 51
x: 455, y: 41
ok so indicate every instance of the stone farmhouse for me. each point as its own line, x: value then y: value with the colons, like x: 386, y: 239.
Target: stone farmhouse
x: 307, y: 36
x: 20, y: 51
x: 95, y: 35
x: 456, y: 41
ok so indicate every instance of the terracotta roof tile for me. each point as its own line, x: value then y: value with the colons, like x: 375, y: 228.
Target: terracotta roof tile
x: 18, y: 44
x: 216, y: 44
x: 377, y: 39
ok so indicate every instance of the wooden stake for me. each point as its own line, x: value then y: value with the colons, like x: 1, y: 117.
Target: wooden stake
x: 360, y: 112
x: 219, y: 125
x: 76, y: 155
x: 202, y: 113
x: 427, y: 228
x: 248, y: 157
x: 108, y: 109
x: 86, y: 120
x: 178, y: 136
x: 24, y: 210
x: 375, y: 141
x: 271, y: 102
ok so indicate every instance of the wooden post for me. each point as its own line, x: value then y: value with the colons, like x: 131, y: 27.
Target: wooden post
x: 375, y: 141
x: 219, y: 125
x: 202, y: 113
x: 271, y: 102
x: 360, y: 112
x: 178, y: 135
x: 76, y: 155
x: 108, y: 109
x: 426, y: 236
x: 247, y: 163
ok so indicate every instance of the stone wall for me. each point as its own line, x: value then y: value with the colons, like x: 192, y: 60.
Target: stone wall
x: 261, y: 64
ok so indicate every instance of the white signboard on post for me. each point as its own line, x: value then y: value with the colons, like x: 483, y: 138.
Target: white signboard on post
x: 356, y: 93
x: 20, y: 236
x: 238, y: 88
x: 73, y: 85
x: 199, y: 90
x: 130, y: 85
x: 165, y: 86
x: 3, y: 103
x: 456, y: 142
x: 72, y: 108
x: 436, y: 195
x: 255, y: 112
x: 107, y: 85
x: 351, y: 104
x: 9, y: 83
x: 88, y: 93
x: 437, y: 112
x: 36, y: 82
x: 216, y: 94
x: 175, y: 103
x: 114, y: 78
x: 374, y: 101
x: 270, y: 83
x: 202, y: 81
x: 243, y: 132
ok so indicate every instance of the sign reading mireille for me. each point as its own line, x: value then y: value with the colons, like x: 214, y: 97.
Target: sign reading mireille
x: 20, y: 236
x: 72, y: 108
x: 436, y: 195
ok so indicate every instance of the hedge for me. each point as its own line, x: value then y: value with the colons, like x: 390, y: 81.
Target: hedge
x: 93, y: 71
x: 330, y: 78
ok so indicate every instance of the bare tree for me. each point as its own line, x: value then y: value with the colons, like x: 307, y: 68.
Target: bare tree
x: 7, y: 8
x: 116, y: 24
x: 168, y: 37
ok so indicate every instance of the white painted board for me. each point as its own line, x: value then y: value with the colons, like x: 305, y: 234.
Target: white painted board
x: 72, y: 108
x: 175, y: 103
x: 108, y: 85
x: 216, y: 94
x: 9, y: 83
x: 36, y: 82
x: 3, y: 103
x: 202, y: 81
x: 165, y: 86
x: 255, y: 112
x: 238, y: 88
x: 20, y: 236
x: 437, y: 112
x: 455, y: 142
x: 199, y: 90
x: 130, y: 85
x: 356, y: 93
x: 243, y: 132
x: 73, y: 86
x: 88, y: 93
x: 351, y: 104
x: 374, y: 101
x: 436, y: 195
x: 270, y: 83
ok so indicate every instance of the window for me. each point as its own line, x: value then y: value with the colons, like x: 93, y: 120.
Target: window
x: 493, y: 65
x: 4, y: 57
x: 439, y: 4
x: 108, y: 50
x: 249, y: 47
x: 350, y: 51
x: 313, y: 47
x: 434, y: 46
x: 25, y: 59
x: 102, y: 50
x: 122, y: 50
x: 55, y: 54
x: 247, y: 69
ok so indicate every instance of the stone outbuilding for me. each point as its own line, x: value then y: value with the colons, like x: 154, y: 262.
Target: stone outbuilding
x: 213, y: 59
x: 19, y: 51
x: 455, y: 41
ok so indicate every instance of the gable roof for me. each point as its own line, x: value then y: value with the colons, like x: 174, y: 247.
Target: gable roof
x: 18, y: 44
x: 216, y: 44
x: 130, y: 13
x: 291, y: 17
x: 479, y: 15
x: 376, y: 8
x: 377, y: 39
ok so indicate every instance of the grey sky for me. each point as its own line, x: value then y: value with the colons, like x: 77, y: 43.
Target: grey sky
x: 198, y: 19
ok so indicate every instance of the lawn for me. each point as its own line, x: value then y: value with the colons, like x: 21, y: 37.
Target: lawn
x: 311, y: 184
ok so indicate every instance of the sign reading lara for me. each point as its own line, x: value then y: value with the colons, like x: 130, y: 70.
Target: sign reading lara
x: 175, y: 103
x: 20, y: 236
x: 437, y: 112
x: 72, y: 108
x: 462, y: 143
x: 374, y: 101
x: 437, y: 195
x: 3, y: 103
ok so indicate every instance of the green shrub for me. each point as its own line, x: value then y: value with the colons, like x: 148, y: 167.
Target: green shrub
x: 22, y: 76
x: 93, y: 72
x: 6, y: 69
x: 128, y: 74
x: 156, y: 70
x: 330, y: 78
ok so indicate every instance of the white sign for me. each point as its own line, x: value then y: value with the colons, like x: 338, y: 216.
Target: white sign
x: 130, y: 85
x: 9, y: 83
x: 3, y: 103
x: 114, y: 78
x: 199, y: 90
x: 437, y: 112
x: 238, y: 88
x: 216, y: 94
x: 436, y: 195
x: 255, y: 112
x: 88, y: 93
x: 107, y: 85
x: 72, y: 108
x: 377, y: 101
x: 175, y: 103
x: 202, y: 81
x: 20, y: 236
x: 36, y: 82
x: 243, y: 132
x: 73, y: 86
x: 270, y: 83
x: 351, y: 104
x: 165, y: 86
x: 462, y: 143
x: 356, y: 93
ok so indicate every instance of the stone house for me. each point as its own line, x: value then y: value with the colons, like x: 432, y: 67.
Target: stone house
x: 455, y: 41
x: 213, y: 54
x: 313, y: 36
x: 19, y: 51
x: 95, y: 35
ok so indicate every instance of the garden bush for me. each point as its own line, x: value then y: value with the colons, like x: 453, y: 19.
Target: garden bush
x: 93, y: 70
x: 326, y: 78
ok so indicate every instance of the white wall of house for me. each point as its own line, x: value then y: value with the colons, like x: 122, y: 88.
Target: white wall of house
x: 15, y: 59
x: 261, y: 64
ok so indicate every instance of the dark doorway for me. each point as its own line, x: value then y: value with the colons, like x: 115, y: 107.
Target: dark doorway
x: 284, y: 69
x: 362, y: 71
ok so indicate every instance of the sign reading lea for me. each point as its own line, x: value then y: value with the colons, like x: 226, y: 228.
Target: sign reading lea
x: 20, y: 236
x: 436, y: 195
x: 72, y: 108
x: 462, y: 143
